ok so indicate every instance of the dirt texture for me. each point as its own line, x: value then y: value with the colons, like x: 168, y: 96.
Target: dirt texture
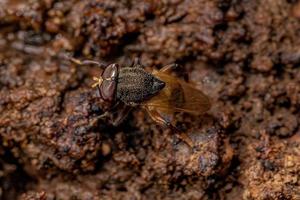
x: 245, y: 55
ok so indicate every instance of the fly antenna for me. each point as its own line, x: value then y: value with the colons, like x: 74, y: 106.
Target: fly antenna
x: 98, y: 81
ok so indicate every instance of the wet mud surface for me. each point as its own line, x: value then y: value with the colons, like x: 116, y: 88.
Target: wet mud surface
x: 244, y: 55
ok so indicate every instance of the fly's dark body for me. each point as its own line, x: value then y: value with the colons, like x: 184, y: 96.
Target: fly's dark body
x: 135, y: 85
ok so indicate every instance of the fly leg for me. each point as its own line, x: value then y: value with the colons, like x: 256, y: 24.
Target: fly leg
x: 117, y: 113
x: 136, y: 62
x: 168, y: 68
x: 97, y: 118
x: 86, y: 62
x: 160, y: 120
x: 107, y: 113
x: 121, y: 115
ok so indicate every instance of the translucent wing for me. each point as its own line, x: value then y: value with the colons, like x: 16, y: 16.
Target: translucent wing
x: 178, y: 96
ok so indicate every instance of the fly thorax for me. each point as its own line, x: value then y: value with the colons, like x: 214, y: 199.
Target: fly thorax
x: 136, y: 85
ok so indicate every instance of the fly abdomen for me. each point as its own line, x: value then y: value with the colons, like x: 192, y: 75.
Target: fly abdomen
x: 136, y: 85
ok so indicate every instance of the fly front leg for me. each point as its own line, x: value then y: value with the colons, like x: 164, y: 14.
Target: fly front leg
x: 122, y: 113
x: 117, y: 114
x: 156, y: 116
x: 87, y: 62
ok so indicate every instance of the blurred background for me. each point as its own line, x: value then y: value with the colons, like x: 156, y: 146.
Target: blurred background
x: 243, y: 54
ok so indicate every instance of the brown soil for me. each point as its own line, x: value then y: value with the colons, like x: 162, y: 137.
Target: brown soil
x: 245, y: 55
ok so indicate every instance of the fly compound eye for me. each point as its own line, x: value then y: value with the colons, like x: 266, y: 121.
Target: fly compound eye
x: 107, y: 90
x: 109, y: 83
x: 110, y: 72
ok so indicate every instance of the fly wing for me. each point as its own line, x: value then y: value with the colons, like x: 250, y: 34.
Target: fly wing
x: 178, y: 96
x: 196, y: 102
